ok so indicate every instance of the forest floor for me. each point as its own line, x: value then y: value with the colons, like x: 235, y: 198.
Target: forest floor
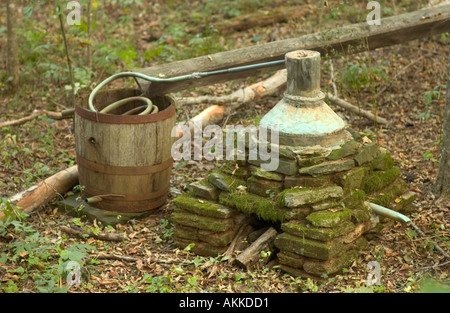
x: 404, y: 82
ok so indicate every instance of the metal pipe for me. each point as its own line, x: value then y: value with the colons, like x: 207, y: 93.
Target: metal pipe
x: 117, y: 104
x: 195, y: 75
x: 381, y: 210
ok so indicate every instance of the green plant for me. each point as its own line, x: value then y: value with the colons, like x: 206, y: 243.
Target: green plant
x: 36, y: 257
x: 428, y: 156
x: 434, y: 94
x: 358, y: 76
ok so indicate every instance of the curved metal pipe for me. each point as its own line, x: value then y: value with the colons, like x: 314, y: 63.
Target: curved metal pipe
x: 381, y: 210
x: 195, y: 75
x: 117, y: 104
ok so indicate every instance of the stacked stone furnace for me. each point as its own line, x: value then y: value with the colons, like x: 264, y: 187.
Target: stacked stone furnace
x: 316, y: 198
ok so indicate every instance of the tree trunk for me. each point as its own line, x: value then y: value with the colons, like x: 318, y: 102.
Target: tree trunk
x: 442, y: 187
x: 13, y: 49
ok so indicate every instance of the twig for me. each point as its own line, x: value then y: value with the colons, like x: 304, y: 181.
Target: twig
x: 74, y: 230
x: 69, y: 62
x: 335, y: 93
x: 398, y: 74
x: 117, y: 257
x: 53, y: 115
x: 88, y: 48
x: 436, y: 265
x: 422, y: 234
x: 344, y: 104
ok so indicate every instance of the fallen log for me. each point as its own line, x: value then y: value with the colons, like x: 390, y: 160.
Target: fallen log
x: 257, y: 19
x: 340, y: 40
x: 251, y: 255
x: 228, y: 103
x: 45, y: 191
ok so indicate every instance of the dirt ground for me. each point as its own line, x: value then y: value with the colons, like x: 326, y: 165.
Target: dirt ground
x: 409, y: 263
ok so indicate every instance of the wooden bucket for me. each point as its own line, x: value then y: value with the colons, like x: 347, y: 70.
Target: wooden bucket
x: 124, y: 159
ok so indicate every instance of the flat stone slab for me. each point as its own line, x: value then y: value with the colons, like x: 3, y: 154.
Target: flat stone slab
x: 225, y: 182
x: 202, y: 207
x: 367, y: 153
x: 201, y: 222
x: 307, y: 247
x: 347, y: 149
x: 380, y: 179
x: 285, y: 166
x: 299, y: 197
x: 308, y: 181
x: 332, y: 266
x: 204, y: 189
x: 74, y: 206
x: 264, y: 208
x: 329, y: 219
x: 328, y: 167
x: 264, y: 188
x: 260, y: 173
x: 302, y: 229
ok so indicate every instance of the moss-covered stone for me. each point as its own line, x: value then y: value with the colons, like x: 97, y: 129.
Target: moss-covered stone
x: 309, y: 161
x: 264, y: 208
x: 232, y: 168
x: 328, y: 218
x: 383, y: 161
x: 329, y: 167
x: 347, y: 149
x: 326, y: 205
x: 387, y: 196
x: 332, y: 266
x: 355, y: 200
x: 367, y: 153
x: 297, y: 272
x: 260, y: 173
x: 403, y: 204
x: 202, y: 207
x: 292, y: 198
x: 361, y: 215
x: 202, y: 222
x: 291, y: 259
x: 264, y: 188
x: 225, y: 182
x: 380, y: 179
x: 185, y: 232
x: 217, y: 239
x: 353, y: 179
x: 204, y: 189
x: 296, y: 213
x: 307, y: 247
x: 285, y: 166
x: 308, y: 181
x: 294, y: 152
x: 303, y: 229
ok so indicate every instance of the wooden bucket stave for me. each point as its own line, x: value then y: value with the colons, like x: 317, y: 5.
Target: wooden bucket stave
x: 126, y: 160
